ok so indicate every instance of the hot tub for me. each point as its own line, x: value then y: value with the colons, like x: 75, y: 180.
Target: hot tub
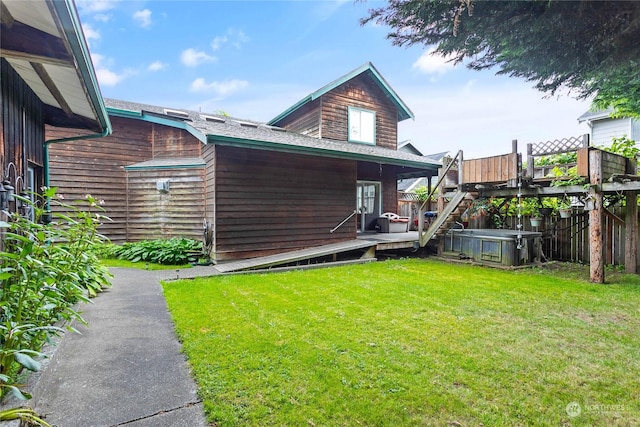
x: 504, y: 247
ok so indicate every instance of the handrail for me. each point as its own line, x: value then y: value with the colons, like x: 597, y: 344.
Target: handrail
x: 355, y: 211
x: 441, y: 179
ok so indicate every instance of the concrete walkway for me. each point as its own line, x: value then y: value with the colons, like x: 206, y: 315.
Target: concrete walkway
x: 126, y: 367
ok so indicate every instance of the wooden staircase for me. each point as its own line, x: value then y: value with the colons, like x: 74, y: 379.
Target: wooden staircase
x: 447, y: 218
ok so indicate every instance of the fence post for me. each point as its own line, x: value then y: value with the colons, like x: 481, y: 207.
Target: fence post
x: 596, y: 252
x: 530, y: 160
x: 631, y: 233
x: 460, y: 172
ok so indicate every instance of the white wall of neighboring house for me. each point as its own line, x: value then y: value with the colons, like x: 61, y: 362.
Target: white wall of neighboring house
x: 604, y: 130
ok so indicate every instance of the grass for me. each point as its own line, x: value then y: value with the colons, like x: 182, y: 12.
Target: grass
x: 412, y: 342
x: 113, y: 262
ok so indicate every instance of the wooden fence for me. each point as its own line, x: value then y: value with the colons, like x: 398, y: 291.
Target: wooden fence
x: 568, y: 239
x: 564, y: 239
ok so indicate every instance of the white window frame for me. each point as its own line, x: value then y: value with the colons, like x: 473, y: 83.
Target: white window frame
x: 358, y: 119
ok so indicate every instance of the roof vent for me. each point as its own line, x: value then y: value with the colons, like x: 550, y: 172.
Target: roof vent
x: 213, y: 119
x: 176, y: 113
x: 247, y: 124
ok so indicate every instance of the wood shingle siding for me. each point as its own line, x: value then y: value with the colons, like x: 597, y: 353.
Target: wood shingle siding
x: 359, y: 92
x: 169, y: 142
x: 268, y: 202
x: 97, y: 167
x: 22, y: 125
x: 177, y: 213
x: 306, y: 121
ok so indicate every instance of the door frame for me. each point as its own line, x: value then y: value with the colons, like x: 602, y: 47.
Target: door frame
x: 368, y: 215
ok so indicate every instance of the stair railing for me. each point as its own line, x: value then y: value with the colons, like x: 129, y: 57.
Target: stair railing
x: 343, y: 221
x: 421, y: 211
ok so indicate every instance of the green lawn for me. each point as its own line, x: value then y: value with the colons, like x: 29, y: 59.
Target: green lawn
x: 412, y: 343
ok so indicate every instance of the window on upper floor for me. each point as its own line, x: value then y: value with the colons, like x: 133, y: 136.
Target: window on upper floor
x: 362, y: 126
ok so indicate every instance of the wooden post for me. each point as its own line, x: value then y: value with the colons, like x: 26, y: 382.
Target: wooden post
x: 596, y: 258
x: 631, y: 233
x: 460, y: 171
x: 530, y: 160
x: 429, y: 184
x: 440, y: 248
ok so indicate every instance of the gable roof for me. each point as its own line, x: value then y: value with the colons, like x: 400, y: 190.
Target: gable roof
x: 368, y: 69
x: 590, y: 116
x: 43, y: 42
x: 221, y: 130
x: 409, y: 147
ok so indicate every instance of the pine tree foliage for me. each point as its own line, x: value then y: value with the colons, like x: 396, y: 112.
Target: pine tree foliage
x: 590, y: 48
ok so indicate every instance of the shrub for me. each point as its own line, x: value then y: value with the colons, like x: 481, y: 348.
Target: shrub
x: 44, y: 270
x: 176, y: 251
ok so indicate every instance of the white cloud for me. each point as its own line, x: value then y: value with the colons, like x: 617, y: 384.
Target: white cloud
x: 143, y: 18
x: 219, y: 88
x: 430, y: 63
x: 106, y: 76
x: 238, y: 37
x: 90, y: 33
x: 102, y: 17
x: 95, y: 6
x: 192, y: 57
x: 218, y: 42
x: 235, y: 37
x: 157, y: 66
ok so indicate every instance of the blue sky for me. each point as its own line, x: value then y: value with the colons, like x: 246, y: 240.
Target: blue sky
x: 254, y: 59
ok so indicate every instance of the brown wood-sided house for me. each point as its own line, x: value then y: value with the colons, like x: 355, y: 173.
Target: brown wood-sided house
x: 262, y: 188
x: 46, y: 77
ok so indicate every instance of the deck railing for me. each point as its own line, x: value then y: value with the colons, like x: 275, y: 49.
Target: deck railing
x: 443, y: 175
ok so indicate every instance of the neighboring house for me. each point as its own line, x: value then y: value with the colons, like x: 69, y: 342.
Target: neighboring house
x: 262, y: 188
x: 603, y: 128
x: 46, y: 78
x: 408, y: 185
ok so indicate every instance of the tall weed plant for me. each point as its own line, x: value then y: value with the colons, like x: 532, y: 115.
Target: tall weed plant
x: 45, y: 269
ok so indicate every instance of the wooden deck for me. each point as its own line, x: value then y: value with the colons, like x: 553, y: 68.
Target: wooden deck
x: 369, y: 241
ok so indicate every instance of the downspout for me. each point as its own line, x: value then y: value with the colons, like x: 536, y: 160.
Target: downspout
x: 45, y: 162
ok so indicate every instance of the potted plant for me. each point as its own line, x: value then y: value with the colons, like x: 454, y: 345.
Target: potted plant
x: 564, y: 207
x: 530, y: 207
x: 478, y: 212
x: 547, y: 206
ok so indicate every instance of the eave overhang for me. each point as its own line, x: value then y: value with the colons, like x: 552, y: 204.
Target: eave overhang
x: 160, y: 119
x: 321, y: 152
x: 44, y: 43
x: 403, y: 111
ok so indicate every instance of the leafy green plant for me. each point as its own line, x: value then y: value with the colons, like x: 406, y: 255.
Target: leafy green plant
x: 479, y: 207
x: 170, y: 251
x: 529, y: 206
x: 565, y: 176
x: 564, y: 203
x: 623, y: 146
x: 557, y: 159
x: 27, y: 415
x: 44, y: 271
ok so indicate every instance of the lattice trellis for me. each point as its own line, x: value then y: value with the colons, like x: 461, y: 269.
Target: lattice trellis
x: 411, y: 197
x: 563, y: 145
